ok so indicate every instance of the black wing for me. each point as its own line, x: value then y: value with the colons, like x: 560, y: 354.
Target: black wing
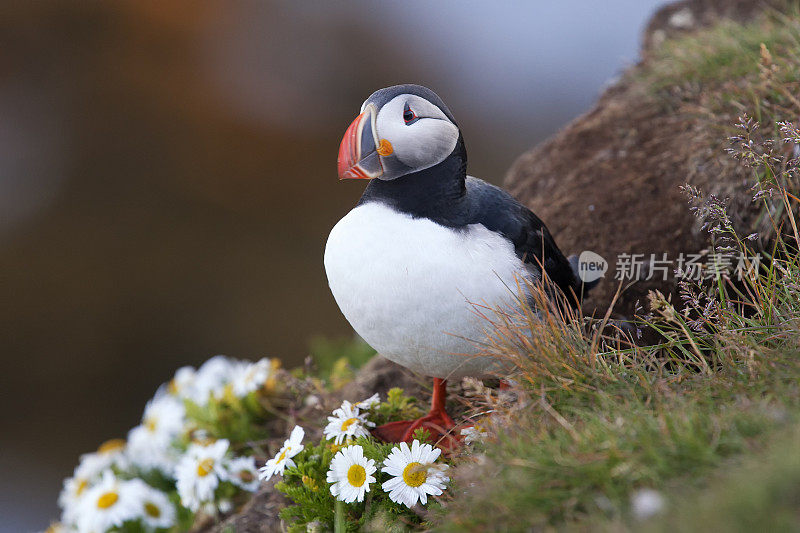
x: 502, y: 213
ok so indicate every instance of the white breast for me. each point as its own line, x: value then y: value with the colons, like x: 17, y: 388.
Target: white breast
x: 411, y: 287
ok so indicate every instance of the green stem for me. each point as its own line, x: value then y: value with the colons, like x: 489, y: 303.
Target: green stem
x: 338, y: 521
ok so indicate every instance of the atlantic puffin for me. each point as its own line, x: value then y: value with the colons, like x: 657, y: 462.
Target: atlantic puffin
x: 427, y: 243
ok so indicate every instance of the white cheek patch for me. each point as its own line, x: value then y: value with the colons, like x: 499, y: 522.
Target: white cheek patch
x: 429, y: 143
x: 422, y: 144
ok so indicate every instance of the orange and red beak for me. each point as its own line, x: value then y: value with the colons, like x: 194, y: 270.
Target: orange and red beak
x: 358, y: 152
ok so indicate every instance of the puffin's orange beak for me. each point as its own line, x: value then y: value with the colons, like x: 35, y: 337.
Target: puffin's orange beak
x: 358, y: 155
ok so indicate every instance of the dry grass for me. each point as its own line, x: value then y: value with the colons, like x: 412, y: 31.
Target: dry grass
x: 595, y: 417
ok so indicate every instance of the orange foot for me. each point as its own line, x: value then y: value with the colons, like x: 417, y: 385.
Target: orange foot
x: 437, y: 422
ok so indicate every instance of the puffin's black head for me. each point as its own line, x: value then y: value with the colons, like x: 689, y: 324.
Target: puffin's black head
x: 401, y: 130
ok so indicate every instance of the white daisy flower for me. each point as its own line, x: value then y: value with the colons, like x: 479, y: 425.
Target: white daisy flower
x: 150, y: 444
x: 223, y: 506
x: 164, y: 417
x: 211, y: 379
x: 415, y: 475
x: 199, y: 471
x: 347, y: 422
x: 182, y: 382
x: 149, y: 453
x: 291, y: 447
x: 157, y: 511
x: 70, y: 497
x: 110, y: 453
x: 108, y: 505
x: 474, y: 433
x: 87, y: 473
x: 370, y: 402
x: 248, y: 377
x: 351, y: 474
x: 243, y: 473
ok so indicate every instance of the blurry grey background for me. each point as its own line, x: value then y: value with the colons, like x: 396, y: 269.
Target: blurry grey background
x: 167, y: 181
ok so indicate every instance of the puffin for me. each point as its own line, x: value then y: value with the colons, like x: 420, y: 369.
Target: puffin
x: 427, y: 247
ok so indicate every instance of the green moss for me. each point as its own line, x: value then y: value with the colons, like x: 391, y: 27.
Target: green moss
x: 724, y: 52
x: 730, y: 68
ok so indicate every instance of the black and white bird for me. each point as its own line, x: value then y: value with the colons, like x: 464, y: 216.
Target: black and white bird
x: 426, y: 244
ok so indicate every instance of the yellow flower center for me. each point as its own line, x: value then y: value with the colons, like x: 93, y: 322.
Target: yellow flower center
x: 349, y: 422
x: 82, y: 484
x: 150, y: 424
x: 246, y: 476
x: 110, y: 446
x: 205, y: 467
x: 282, y: 456
x: 107, y: 500
x: 152, y: 510
x: 356, y: 475
x: 172, y: 388
x: 415, y: 474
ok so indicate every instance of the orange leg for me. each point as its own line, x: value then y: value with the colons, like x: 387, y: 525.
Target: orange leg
x: 437, y: 422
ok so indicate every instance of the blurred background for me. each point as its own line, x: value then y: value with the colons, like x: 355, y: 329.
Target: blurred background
x: 168, y: 181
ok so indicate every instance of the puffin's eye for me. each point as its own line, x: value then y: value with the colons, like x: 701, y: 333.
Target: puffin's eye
x: 409, y: 116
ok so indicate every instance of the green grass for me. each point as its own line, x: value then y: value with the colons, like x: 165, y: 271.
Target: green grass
x: 761, y: 493
x: 730, y: 69
x: 590, y: 434
x: 727, y: 51
x: 594, y: 424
